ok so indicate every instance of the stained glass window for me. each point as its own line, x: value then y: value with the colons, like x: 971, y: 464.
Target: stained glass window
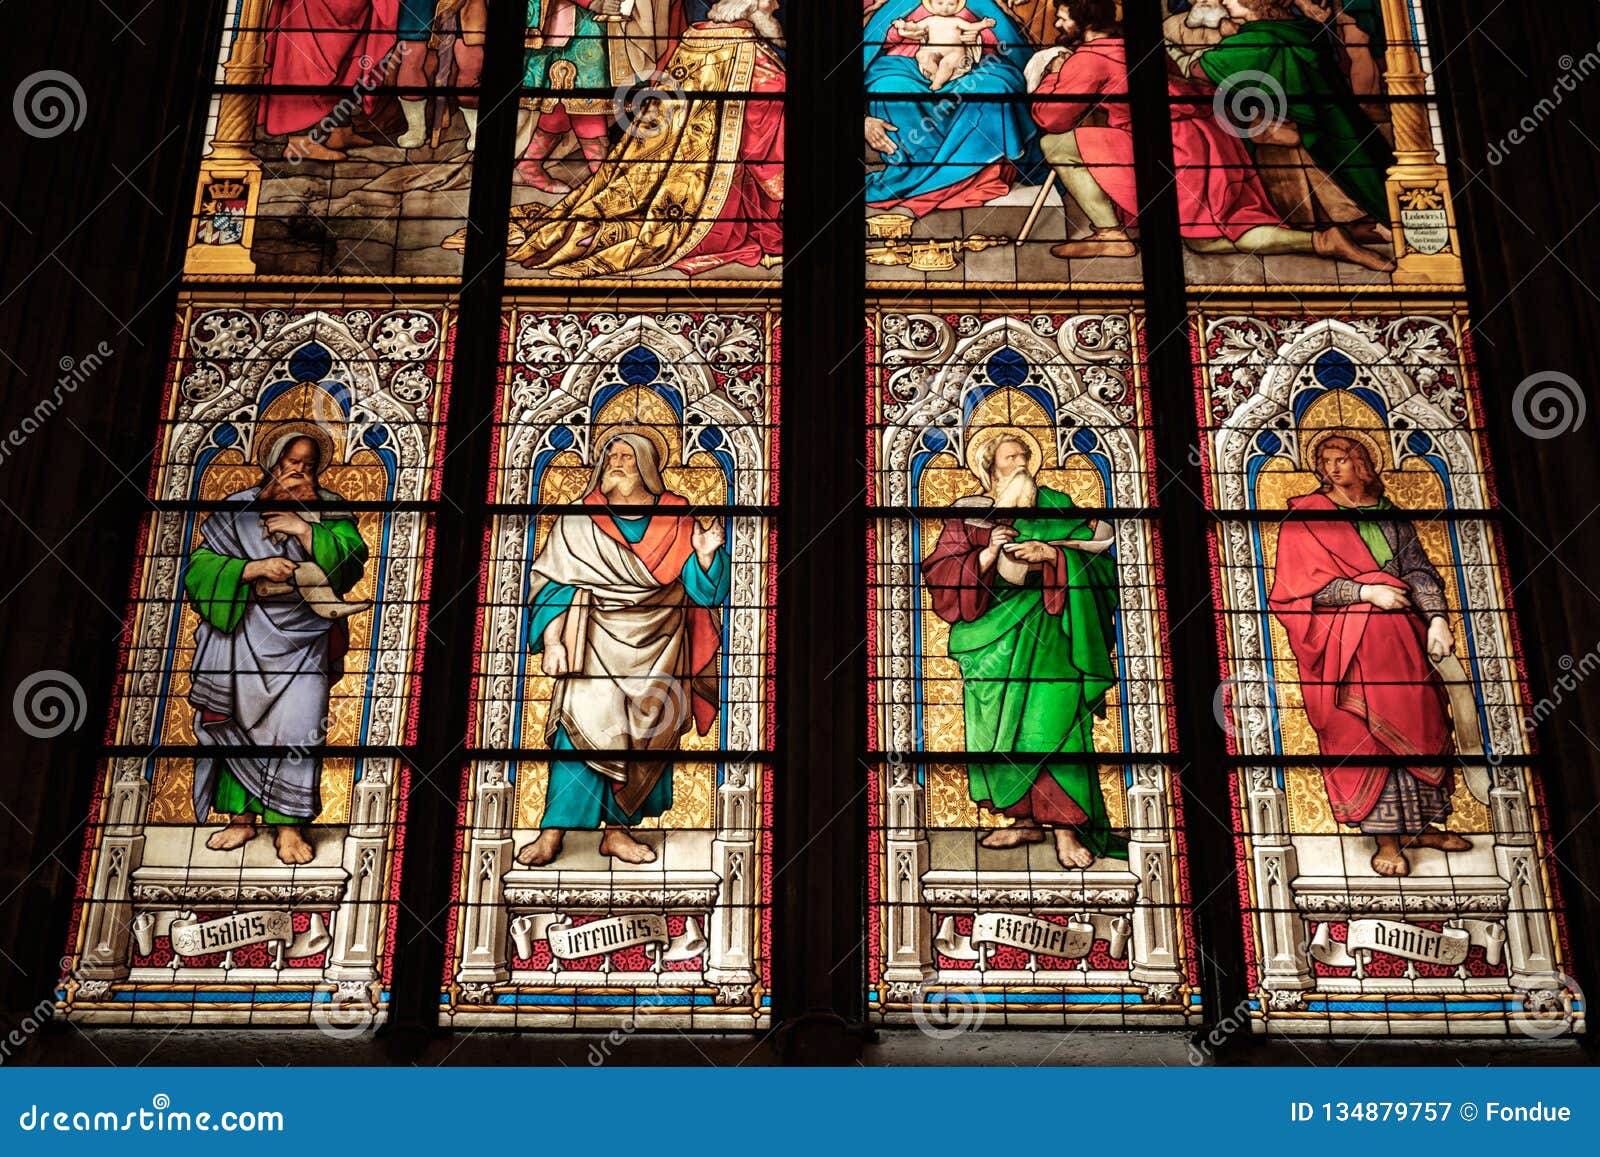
x: 1394, y: 862
x: 1161, y: 297
x: 1306, y: 146
x: 976, y: 124
x: 1026, y: 863
x: 243, y: 857
x: 1392, y: 840
x: 615, y: 823
x: 341, y: 140
x: 649, y: 144
x: 614, y: 843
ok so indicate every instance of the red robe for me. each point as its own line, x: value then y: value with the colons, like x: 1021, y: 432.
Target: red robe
x: 333, y: 44
x: 751, y: 223
x: 666, y: 546
x: 1220, y: 194
x: 1369, y: 686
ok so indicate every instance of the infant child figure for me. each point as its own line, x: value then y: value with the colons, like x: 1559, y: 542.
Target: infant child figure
x: 949, y: 34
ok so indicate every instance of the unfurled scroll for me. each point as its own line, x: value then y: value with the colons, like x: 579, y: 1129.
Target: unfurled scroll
x: 1448, y: 946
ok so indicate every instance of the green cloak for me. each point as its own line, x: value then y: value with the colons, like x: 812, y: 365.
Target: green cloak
x: 1339, y: 136
x: 1033, y: 681
x: 215, y: 585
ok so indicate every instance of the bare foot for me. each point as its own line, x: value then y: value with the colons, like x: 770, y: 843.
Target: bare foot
x: 543, y: 850
x: 620, y: 844
x: 1070, y: 850
x: 305, y: 149
x: 1369, y: 233
x: 1444, y: 841
x: 237, y: 834
x: 1389, y: 860
x: 292, y: 846
x: 1022, y: 832
x: 1338, y: 244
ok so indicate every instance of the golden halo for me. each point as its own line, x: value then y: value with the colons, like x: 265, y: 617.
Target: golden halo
x: 1313, y: 447
x: 604, y: 435
x: 976, y: 441
x: 271, y: 441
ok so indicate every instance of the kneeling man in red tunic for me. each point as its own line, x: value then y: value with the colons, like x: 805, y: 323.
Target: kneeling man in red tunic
x: 1365, y: 614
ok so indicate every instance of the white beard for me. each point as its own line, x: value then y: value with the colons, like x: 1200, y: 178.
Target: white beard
x: 1206, y: 16
x: 612, y: 487
x: 767, y: 27
x: 1018, y: 490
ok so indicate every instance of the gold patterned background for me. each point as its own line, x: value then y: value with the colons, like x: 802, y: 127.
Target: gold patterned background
x: 1310, y: 813
x: 172, y: 793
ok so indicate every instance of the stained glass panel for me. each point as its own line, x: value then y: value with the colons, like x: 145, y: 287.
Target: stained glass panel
x: 241, y: 863
x: 1034, y: 875
x: 650, y: 143
x: 1307, y: 150
x: 613, y: 642
x: 979, y: 119
x: 341, y: 139
x: 1396, y: 875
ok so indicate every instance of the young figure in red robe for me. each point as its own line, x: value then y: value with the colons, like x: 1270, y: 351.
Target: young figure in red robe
x: 1364, y: 611
x: 1222, y: 204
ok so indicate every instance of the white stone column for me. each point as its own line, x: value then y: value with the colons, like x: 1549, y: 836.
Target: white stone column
x: 730, y: 964
x: 484, y: 919
x: 108, y: 915
x: 1530, y: 947
x: 358, y: 925
x: 907, y: 923
x: 1153, y: 957
x: 1285, y: 962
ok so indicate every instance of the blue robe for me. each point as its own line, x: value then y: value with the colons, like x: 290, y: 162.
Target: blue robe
x: 944, y: 140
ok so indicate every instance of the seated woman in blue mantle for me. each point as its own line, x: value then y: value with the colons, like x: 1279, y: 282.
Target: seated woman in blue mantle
x: 939, y: 151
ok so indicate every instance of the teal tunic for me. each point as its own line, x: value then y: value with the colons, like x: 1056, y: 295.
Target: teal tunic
x: 578, y: 798
x: 586, y: 51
